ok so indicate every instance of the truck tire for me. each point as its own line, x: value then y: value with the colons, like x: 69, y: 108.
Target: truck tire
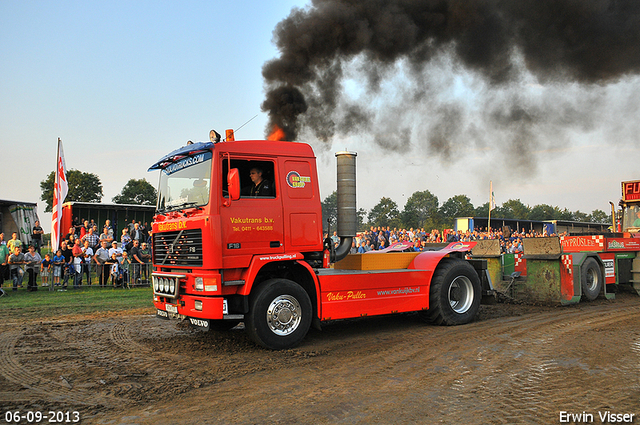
x: 454, y: 295
x: 591, y: 279
x: 279, y: 315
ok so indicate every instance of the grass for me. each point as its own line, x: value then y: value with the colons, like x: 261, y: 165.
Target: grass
x: 43, y: 304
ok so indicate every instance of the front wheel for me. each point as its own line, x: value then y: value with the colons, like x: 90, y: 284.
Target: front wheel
x: 454, y: 296
x: 279, y: 315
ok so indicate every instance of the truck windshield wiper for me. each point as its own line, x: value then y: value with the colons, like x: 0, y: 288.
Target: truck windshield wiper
x: 177, y: 207
x: 186, y: 205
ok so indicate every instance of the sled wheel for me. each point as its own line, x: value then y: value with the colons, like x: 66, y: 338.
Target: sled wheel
x: 454, y: 296
x: 591, y: 279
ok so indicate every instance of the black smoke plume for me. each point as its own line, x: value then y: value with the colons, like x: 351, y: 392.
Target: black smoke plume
x: 497, y: 44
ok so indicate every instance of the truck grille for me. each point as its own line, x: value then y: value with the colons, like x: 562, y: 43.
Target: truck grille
x: 181, y: 248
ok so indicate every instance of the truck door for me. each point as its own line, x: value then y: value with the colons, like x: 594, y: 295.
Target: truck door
x: 253, y: 224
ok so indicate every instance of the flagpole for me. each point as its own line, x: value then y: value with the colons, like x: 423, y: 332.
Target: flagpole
x: 55, y: 229
x: 491, y: 205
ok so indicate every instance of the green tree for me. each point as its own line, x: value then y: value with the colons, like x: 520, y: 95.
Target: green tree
x: 361, y: 215
x: 542, y: 212
x: 421, y: 210
x: 564, y: 214
x: 599, y: 216
x: 483, y: 211
x: 83, y: 187
x: 139, y: 192
x: 514, y: 208
x: 456, y: 206
x: 580, y: 216
x: 330, y: 210
x: 385, y: 213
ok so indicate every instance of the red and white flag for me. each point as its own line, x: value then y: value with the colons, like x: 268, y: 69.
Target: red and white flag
x: 60, y: 189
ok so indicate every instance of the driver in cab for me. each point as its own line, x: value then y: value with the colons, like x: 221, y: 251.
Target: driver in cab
x: 636, y: 223
x: 259, y: 186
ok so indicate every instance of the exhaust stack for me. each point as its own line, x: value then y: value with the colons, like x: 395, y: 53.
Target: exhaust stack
x: 346, y: 191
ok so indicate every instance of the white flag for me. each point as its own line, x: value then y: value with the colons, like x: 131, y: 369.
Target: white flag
x: 60, y: 189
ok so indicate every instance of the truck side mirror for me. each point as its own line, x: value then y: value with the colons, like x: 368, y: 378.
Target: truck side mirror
x: 233, y: 182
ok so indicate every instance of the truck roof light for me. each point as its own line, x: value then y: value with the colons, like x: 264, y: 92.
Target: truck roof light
x: 230, y: 136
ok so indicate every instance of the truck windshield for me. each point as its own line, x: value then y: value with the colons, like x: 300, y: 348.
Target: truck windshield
x: 185, y: 183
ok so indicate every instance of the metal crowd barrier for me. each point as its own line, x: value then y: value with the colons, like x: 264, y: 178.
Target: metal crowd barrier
x: 93, y: 275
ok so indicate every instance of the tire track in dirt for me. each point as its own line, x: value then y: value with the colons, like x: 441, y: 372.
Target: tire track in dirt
x: 468, y: 367
x: 467, y: 387
x: 536, y: 375
x: 506, y: 369
x: 38, y: 387
x: 398, y: 356
x: 473, y: 377
x: 120, y: 335
x: 536, y: 387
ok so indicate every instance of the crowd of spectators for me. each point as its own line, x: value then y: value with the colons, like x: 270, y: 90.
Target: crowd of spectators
x: 378, y: 238
x: 121, y: 259
x: 84, y: 251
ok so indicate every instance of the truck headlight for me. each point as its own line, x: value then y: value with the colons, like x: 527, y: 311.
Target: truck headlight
x: 197, y: 304
x: 199, y: 284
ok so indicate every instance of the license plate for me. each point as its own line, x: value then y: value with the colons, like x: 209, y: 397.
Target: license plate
x: 225, y: 307
x: 171, y: 308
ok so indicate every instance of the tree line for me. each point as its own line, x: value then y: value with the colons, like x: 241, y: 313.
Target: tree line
x: 423, y: 210
x: 87, y: 187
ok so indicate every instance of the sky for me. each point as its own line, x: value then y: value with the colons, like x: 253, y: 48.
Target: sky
x: 122, y: 83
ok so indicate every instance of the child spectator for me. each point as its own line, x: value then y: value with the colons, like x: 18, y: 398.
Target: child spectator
x: 45, y: 268
x: 125, y: 263
x: 58, y: 267
x: 116, y: 274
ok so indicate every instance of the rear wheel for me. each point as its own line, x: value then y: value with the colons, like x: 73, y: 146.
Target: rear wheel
x: 454, y: 296
x: 591, y: 279
x: 279, y: 315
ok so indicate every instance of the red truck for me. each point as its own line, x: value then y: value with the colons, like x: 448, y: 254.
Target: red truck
x: 237, y: 237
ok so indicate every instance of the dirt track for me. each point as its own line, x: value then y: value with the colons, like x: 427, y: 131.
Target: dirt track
x: 515, y: 364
